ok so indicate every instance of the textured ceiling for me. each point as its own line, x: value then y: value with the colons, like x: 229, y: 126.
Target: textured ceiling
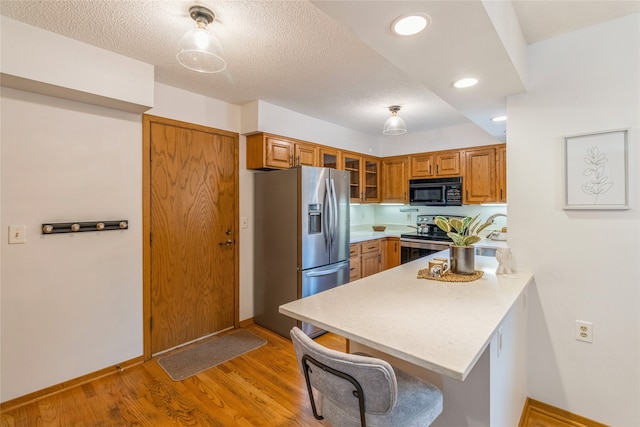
x: 333, y: 60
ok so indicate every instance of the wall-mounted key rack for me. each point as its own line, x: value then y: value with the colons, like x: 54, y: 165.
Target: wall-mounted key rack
x: 78, y: 227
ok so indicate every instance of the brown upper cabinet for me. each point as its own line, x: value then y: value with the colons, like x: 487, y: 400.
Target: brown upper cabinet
x: 266, y: 151
x: 395, y: 179
x: 436, y: 164
x: 501, y: 176
x: 365, y: 177
x: 330, y: 158
x: 374, y: 180
x: 484, y: 174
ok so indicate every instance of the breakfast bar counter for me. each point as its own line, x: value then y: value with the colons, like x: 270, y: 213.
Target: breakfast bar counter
x: 441, y: 328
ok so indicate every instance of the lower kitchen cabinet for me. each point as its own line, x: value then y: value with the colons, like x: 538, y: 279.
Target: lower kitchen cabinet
x: 390, y: 252
x: 373, y: 256
x: 371, y: 263
x: 354, y: 262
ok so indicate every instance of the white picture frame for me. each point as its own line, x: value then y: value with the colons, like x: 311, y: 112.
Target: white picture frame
x: 596, y: 171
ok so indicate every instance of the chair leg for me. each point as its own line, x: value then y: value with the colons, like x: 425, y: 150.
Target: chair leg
x: 307, y: 369
x: 358, y: 392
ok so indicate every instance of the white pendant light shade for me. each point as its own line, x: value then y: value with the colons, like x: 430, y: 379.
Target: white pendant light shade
x: 394, y: 124
x: 198, y: 49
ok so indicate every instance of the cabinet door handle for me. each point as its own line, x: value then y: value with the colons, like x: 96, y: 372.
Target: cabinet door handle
x: 430, y: 172
x: 298, y: 161
x: 291, y: 160
x: 437, y: 169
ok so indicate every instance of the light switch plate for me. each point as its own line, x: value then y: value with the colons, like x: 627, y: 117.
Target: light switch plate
x: 17, y: 234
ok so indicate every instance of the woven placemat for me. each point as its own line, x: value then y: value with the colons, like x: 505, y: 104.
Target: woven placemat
x: 450, y: 277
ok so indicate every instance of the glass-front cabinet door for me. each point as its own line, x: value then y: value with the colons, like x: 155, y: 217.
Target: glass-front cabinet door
x: 364, y: 177
x: 371, y: 180
x: 352, y: 164
x: 330, y: 158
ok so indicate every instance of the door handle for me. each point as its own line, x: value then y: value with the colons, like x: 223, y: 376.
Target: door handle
x: 323, y: 272
x: 227, y: 243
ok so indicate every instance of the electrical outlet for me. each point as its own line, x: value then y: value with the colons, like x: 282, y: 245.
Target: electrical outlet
x: 244, y: 222
x: 584, y: 331
x: 408, y: 216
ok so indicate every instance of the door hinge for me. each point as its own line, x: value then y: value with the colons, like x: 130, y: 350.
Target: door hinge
x: 151, y: 323
x: 150, y: 238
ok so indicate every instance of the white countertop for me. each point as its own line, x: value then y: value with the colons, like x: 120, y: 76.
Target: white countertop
x: 440, y: 326
x: 362, y: 233
x: 365, y: 233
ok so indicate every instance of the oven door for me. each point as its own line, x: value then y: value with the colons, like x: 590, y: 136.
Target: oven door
x: 413, y: 249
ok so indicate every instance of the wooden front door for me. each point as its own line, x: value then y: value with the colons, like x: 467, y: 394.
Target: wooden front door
x: 190, y: 257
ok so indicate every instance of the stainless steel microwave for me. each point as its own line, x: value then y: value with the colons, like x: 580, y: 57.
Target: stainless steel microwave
x: 436, y: 191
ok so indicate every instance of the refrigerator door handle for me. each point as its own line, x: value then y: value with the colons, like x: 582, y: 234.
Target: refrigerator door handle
x: 330, y: 212
x: 325, y: 219
x: 323, y: 272
x: 334, y: 217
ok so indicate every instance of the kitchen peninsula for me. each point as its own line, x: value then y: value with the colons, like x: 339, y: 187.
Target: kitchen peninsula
x: 466, y: 338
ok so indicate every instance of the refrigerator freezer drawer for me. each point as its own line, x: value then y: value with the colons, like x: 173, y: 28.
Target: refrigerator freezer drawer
x: 320, y: 279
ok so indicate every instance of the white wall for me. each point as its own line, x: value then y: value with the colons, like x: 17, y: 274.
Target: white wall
x: 37, y: 60
x: 71, y: 304
x: 468, y: 135
x: 585, y: 263
x: 260, y: 116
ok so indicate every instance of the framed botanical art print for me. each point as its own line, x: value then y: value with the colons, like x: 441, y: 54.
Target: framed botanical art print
x: 596, y: 171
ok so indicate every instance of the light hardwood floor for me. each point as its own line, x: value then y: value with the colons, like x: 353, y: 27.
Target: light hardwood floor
x: 261, y: 388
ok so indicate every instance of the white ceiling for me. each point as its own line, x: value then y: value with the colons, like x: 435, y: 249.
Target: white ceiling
x: 333, y: 60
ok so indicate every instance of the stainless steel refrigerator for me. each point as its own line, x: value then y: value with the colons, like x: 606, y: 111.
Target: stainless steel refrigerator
x: 301, y: 240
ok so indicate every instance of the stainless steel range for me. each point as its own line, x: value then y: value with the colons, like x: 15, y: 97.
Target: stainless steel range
x: 426, y: 240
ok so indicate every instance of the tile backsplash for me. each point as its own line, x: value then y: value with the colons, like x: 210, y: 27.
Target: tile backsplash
x: 393, y: 214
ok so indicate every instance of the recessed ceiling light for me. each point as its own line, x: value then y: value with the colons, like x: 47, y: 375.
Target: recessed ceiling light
x: 499, y: 119
x: 463, y: 83
x: 408, y: 25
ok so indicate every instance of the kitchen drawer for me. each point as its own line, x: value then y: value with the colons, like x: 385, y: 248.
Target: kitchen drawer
x: 354, y: 269
x: 354, y: 250
x: 371, y: 246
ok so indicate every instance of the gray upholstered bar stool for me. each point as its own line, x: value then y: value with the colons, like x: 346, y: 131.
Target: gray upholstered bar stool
x: 358, y: 390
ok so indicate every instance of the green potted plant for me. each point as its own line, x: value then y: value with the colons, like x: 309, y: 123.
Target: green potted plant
x: 464, y: 233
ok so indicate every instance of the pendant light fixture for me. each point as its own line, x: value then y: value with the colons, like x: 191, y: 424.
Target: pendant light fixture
x: 199, y: 50
x: 394, y: 124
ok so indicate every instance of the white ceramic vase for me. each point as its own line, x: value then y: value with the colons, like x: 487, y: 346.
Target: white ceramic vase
x: 503, y: 255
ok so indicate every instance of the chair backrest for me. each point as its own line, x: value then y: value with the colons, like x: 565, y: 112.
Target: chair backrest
x: 375, y: 376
